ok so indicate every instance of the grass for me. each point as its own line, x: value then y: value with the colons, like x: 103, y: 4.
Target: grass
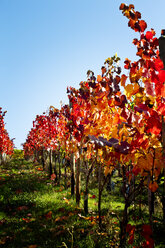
x: 36, y: 213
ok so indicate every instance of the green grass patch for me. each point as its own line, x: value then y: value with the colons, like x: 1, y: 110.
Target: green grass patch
x: 37, y: 213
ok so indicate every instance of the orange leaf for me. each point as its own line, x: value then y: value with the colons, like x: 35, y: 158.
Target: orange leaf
x: 143, y: 25
x: 123, y: 80
x: 131, y: 6
x: 66, y: 200
x: 136, y: 88
x: 48, y: 215
x: 103, y: 69
x: 99, y: 78
x: 122, y: 6
x: 131, y: 23
x: 161, y: 109
x: 26, y: 220
x: 153, y: 186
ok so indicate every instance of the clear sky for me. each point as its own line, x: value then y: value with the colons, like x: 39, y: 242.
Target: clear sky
x: 47, y: 45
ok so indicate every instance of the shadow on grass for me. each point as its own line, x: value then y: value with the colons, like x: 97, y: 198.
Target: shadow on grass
x: 34, y: 214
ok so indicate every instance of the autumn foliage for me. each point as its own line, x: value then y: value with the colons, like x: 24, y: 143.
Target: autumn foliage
x: 120, y: 128
x: 6, y: 144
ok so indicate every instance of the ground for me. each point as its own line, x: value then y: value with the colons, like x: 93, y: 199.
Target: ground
x: 35, y: 212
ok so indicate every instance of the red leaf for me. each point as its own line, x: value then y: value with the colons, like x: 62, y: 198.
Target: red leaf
x: 53, y: 176
x: 21, y: 208
x: 78, y: 136
x: 127, y: 64
x: 163, y: 90
x: 48, y: 215
x: 136, y: 171
x: 131, y: 239
x: 154, y: 77
x: 149, y: 88
x: 153, y: 124
x: 158, y: 89
x: 135, y: 42
x: 161, y: 109
x: 149, y: 35
x: 18, y: 191
x: 158, y: 64
x: 146, y: 229
x: 93, y: 197
x: 130, y: 228
x: 161, y: 76
x: 149, y: 243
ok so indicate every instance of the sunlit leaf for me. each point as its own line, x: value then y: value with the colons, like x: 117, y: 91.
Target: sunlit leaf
x: 143, y: 25
x: 161, y: 76
x: 149, y: 35
x: 99, y: 78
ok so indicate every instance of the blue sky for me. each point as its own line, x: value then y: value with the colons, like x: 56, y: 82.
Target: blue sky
x: 47, y: 45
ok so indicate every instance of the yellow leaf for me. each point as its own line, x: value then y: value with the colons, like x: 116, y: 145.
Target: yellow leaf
x: 114, y: 132
x: 123, y: 132
x: 128, y: 90
x: 57, y: 219
x: 154, y: 142
x: 108, y: 170
x: 100, y: 152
